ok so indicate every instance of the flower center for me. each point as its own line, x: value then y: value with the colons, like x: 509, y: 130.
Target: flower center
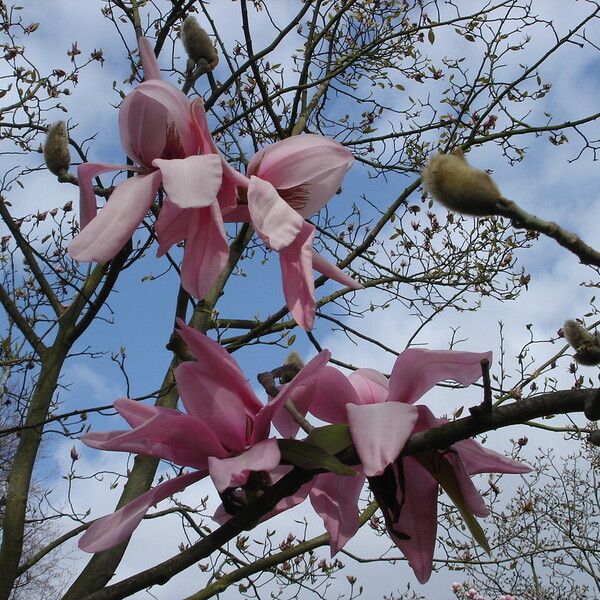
x: 173, y: 147
x: 296, y: 197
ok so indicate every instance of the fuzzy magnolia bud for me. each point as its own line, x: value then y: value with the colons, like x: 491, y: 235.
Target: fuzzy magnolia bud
x: 585, y: 344
x: 56, y: 149
x: 198, y: 44
x: 293, y: 364
x: 458, y: 186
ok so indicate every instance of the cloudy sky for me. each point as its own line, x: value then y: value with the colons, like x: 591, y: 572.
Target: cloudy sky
x: 545, y: 183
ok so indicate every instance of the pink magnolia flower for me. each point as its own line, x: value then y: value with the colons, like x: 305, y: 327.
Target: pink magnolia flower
x: 166, y: 137
x: 287, y: 182
x: 381, y: 416
x: 223, y: 432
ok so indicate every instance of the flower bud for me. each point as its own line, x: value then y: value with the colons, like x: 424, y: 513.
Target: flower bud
x: 198, y: 44
x: 585, y: 344
x: 293, y: 364
x: 458, y: 186
x: 591, y: 408
x: 56, y: 149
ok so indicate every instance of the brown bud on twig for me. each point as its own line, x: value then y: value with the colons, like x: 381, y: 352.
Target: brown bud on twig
x: 585, y: 344
x: 458, y: 186
x: 198, y: 44
x: 56, y: 149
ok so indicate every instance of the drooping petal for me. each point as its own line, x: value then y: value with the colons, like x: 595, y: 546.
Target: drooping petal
x: 301, y: 159
x: 416, y: 371
x: 379, y: 432
x: 171, y: 226
x: 191, y: 182
x: 179, y: 438
x: 113, y: 529
x: 149, y: 62
x: 87, y: 199
x: 371, y: 386
x: 472, y: 497
x: 219, y: 368
x: 332, y: 391
x: 274, y: 220
x: 417, y: 519
x: 297, y: 278
x: 206, y: 250
x: 307, y: 375
x: 335, y: 500
x: 334, y: 272
x: 234, y: 472
x: 479, y: 459
x: 136, y: 413
x: 108, y: 232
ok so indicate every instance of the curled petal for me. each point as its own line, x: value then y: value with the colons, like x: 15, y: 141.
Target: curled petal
x: 113, y: 529
x: 274, y: 220
x: 416, y: 371
x: 379, y: 432
x: 333, y: 272
x: 297, y: 277
x: 108, y: 232
x: 335, y: 500
x: 234, y: 472
x: 191, y: 182
x: 206, y: 250
x: 370, y: 385
x: 149, y: 62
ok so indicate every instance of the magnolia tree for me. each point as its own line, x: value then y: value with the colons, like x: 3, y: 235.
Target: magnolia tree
x: 322, y: 134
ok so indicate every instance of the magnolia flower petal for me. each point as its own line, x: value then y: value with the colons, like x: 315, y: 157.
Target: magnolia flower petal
x: 87, y: 198
x: 307, y: 375
x: 335, y: 500
x: 319, y: 191
x: 179, y: 438
x: 479, y: 459
x: 334, y: 272
x: 416, y: 371
x: 113, y: 529
x: 332, y: 392
x: 219, y: 370
x: 206, y: 250
x: 171, y: 227
x: 472, y: 497
x: 136, y: 413
x: 274, y: 220
x: 234, y: 472
x: 371, y: 386
x: 191, y: 182
x: 236, y: 214
x: 109, y: 231
x: 379, y: 432
x: 149, y: 62
x: 300, y: 159
x: 417, y: 519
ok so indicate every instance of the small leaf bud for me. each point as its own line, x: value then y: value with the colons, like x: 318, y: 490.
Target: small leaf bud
x: 56, y: 149
x: 197, y: 43
x: 458, y: 186
x: 585, y: 344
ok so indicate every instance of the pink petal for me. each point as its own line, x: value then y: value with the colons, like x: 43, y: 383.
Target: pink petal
x: 109, y: 231
x: 371, y: 386
x: 332, y: 392
x: 309, y: 374
x: 171, y: 226
x: 191, y: 182
x: 218, y: 369
x: 335, y: 500
x: 137, y: 413
x: 179, y: 438
x: 87, y: 198
x: 234, y: 472
x: 274, y: 220
x: 473, y: 499
x: 149, y: 62
x: 379, y: 432
x: 302, y: 399
x: 416, y: 371
x: 206, y: 250
x: 418, y: 517
x: 113, y: 529
x: 297, y: 278
x: 479, y: 459
x: 333, y: 272
x: 320, y: 190
x: 301, y: 159
x: 236, y: 215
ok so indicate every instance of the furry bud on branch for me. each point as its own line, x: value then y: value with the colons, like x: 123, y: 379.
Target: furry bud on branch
x: 56, y: 149
x: 585, y: 344
x: 197, y: 44
x: 458, y: 186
